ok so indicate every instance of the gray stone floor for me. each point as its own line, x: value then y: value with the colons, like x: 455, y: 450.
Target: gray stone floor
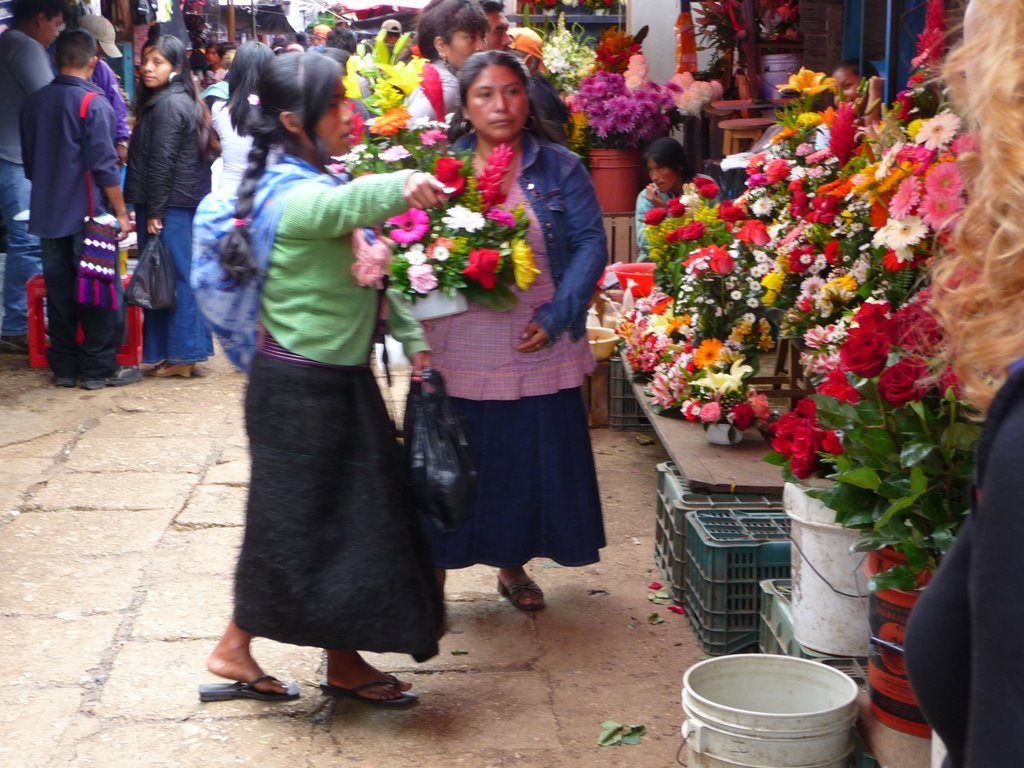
x: 120, y: 515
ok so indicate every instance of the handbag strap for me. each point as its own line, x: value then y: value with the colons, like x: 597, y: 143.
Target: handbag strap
x: 83, y: 112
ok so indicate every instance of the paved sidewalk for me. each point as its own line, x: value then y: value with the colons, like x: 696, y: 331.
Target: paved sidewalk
x: 120, y: 516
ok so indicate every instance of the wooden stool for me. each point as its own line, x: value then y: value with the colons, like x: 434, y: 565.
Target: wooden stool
x: 735, y: 132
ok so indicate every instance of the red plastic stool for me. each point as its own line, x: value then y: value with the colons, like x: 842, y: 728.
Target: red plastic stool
x: 130, y: 352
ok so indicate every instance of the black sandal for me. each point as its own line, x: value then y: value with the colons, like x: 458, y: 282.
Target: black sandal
x: 404, y: 698
x: 514, y: 593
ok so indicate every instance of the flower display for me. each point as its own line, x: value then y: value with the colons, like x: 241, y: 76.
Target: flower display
x: 474, y: 245
x: 616, y: 47
x: 619, y: 116
x: 902, y: 455
x: 568, y: 57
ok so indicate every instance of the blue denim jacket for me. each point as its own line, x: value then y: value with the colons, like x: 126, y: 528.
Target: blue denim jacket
x: 562, y: 195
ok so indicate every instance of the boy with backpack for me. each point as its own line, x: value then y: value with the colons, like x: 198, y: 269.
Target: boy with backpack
x: 68, y: 135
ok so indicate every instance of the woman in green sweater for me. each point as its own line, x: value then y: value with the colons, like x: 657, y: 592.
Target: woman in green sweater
x: 333, y: 554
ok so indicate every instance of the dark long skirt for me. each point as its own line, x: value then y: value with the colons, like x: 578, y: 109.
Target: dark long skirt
x: 537, y: 493
x: 334, y: 555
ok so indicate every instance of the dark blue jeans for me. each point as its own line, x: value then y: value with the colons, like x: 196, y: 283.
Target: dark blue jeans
x: 22, y: 248
x: 102, y: 329
x: 178, y: 335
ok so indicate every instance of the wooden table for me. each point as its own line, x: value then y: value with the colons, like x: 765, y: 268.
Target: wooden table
x: 714, y: 468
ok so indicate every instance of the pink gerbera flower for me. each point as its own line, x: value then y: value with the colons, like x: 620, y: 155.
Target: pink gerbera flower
x: 907, y: 196
x: 944, y: 181
x: 939, y: 211
x: 409, y: 227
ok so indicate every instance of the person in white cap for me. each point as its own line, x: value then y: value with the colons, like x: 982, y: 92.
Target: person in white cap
x: 104, y: 77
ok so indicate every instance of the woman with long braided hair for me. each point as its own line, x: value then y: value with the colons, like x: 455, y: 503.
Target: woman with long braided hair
x: 333, y: 554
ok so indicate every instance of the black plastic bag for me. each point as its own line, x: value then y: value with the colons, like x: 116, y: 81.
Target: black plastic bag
x: 440, y: 460
x: 152, y: 284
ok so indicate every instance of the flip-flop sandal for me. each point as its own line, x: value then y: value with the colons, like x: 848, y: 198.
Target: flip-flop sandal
x: 230, y: 691
x: 515, y: 592
x: 404, y: 699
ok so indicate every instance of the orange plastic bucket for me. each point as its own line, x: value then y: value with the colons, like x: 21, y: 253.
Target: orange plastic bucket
x: 641, y: 273
x: 892, y: 699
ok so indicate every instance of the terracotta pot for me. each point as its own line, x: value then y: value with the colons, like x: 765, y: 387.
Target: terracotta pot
x: 617, y: 178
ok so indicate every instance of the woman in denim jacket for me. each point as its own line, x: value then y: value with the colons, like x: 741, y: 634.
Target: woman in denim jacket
x: 516, y: 376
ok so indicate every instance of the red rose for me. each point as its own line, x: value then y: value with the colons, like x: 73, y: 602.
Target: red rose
x: 796, y: 185
x: 873, y: 317
x: 776, y: 171
x: 838, y: 386
x: 449, y: 172
x: 804, y: 451
x: 706, y: 188
x: 743, y: 416
x: 693, y: 231
x: 655, y: 216
x: 720, y: 260
x: 676, y: 208
x: 824, y: 210
x: 864, y: 353
x: 731, y: 212
x: 916, y: 330
x: 798, y: 203
x: 483, y: 267
x: 832, y: 253
x: 902, y: 382
x: 754, y: 232
x: 831, y: 443
x: 947, y: 379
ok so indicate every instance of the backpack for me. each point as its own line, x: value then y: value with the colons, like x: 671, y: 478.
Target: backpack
x: 232, y: 309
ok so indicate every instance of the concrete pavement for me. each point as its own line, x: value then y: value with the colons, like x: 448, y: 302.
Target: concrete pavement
x: 120, y: 516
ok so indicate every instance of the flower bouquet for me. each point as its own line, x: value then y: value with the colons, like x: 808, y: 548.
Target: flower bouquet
x: 394, y: 140
x: 654, y: 335
x: 474, y: 246
x: 616, y: 47
x: 567, y: 57
x: 720, y: 398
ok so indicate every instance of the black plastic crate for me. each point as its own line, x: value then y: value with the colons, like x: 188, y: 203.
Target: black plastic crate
x: 624, y: 412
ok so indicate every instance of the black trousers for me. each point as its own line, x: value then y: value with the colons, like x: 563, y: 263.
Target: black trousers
x: 102, y: 329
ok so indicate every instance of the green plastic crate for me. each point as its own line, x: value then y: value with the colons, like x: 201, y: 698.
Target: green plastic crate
x: 729, y: 553
x: 674, y: 499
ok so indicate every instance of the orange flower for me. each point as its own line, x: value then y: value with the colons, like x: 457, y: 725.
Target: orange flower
x: 784, y: 134
x: 707, y: 353
x: 828, y: 117
x: 838, y: 188
x: 391, y: 122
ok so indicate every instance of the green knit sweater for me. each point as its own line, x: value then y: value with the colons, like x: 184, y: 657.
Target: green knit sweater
x: 310, y: 301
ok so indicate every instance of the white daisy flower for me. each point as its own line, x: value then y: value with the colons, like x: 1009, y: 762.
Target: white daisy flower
x: 901, y: 233
x: 460, y: 217
x: 762, y: 207
x: 416, y: 254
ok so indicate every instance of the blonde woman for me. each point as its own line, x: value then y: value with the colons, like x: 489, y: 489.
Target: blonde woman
x: 963, y: 643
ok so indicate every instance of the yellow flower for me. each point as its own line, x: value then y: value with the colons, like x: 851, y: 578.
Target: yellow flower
x: 914, y: 127
x: 773, y: 281
x: 729, y: 357
x: 808, y: 120
x: 405, y: 76
x: 725, y: 383
x: 523, y: 265
x: 707, y: 353
x: 846, y: 282
x: 809, y: 83
x: 769, y: 298
x: 765, y: 343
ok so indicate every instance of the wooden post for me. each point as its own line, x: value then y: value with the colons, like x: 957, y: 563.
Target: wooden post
x: 231, y: 21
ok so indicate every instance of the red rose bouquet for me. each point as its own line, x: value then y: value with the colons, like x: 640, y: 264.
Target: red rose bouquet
x: 887, y: 426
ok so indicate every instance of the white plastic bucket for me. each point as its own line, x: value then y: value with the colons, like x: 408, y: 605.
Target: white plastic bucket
x: 439, y: 304
x: 780, y: 62
x: 763, y: 711
x: 829, y: 614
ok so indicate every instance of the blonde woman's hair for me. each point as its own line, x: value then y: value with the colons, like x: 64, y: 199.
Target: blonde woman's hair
x: 979, y: 287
